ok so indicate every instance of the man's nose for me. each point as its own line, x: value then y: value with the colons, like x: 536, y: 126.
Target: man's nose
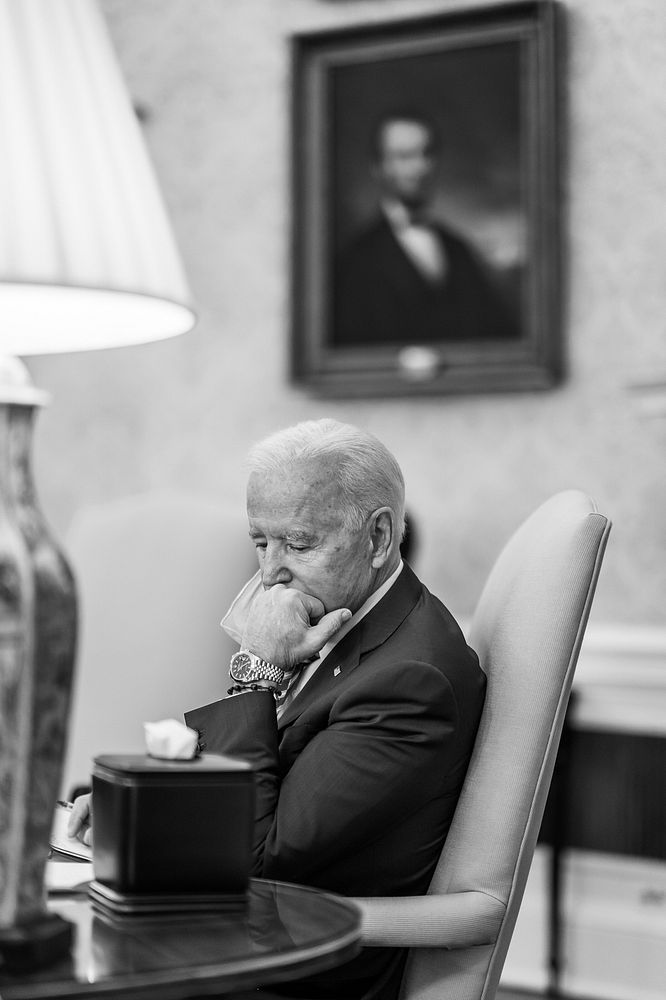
x: 273, y: 569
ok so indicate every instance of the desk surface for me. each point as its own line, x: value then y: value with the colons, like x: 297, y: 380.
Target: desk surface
x: 283, y: 932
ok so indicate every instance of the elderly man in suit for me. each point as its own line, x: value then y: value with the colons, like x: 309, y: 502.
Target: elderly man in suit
x: 360, y: 762
x: 354, y: 694
x: 408, y: 278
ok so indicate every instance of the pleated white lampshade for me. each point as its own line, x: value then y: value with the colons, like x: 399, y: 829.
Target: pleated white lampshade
x: 87, y: 257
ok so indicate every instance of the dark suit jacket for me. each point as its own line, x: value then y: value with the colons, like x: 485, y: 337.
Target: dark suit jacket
x: 357, y: 785
x: 380, y: 296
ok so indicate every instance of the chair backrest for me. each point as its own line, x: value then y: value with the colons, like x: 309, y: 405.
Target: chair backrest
x: 527, y: 631
x: 155, y: 574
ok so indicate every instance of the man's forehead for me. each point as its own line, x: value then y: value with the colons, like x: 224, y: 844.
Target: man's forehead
x: 401, y: 131
x: 298, y: 498
x: 298, y: 477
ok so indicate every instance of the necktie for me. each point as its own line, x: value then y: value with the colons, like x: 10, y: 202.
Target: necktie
x: 294, y: 686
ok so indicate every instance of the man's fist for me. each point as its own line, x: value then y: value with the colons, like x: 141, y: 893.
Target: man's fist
x: 287, y: 627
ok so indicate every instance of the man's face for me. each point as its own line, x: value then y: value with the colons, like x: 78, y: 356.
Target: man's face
x: 405, y: 161
x: 300, y: 539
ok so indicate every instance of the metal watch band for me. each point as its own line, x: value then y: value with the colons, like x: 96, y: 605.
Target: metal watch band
x: 256, y: 670
x: 268, y: 671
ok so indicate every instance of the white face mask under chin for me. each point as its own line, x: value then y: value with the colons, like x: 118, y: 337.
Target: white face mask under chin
x: 234, y: 620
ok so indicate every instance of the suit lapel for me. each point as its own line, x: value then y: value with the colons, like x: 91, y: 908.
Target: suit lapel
x: 373, y: 630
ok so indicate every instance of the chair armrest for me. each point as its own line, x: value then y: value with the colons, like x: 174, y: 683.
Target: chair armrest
x: 456, y: 920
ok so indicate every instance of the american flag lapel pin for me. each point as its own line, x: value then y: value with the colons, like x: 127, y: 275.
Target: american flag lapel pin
x: 337, y: 671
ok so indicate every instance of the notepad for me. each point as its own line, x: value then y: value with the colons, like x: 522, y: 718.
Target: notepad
x: 61, y: 841
x: 68, y: 876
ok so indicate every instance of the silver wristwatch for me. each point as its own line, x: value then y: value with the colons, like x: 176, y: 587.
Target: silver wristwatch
x: 246, y: 668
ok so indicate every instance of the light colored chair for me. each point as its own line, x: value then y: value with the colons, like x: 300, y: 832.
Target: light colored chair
x: 527, y: 630
x: 155, y: 573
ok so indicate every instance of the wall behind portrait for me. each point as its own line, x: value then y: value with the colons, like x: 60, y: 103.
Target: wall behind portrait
x: 213, y: 79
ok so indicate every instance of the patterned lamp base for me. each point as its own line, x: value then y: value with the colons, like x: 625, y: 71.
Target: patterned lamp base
x: 37, y: 645
x: 36, y: 943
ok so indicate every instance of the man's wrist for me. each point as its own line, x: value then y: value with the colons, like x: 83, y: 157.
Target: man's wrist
x: 245, y: 688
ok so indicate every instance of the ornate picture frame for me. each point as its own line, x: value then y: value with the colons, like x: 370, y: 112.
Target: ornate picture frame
x: 426, y: 237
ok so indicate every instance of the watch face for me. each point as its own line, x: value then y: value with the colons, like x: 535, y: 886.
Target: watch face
x: 240, y: 666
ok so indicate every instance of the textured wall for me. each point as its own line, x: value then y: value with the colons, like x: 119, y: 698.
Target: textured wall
x: 214, y: 76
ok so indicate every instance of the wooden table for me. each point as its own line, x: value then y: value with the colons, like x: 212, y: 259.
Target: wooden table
x: 283, y: 932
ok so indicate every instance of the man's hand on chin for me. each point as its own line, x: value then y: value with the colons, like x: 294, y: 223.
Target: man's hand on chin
x: 288, y: 628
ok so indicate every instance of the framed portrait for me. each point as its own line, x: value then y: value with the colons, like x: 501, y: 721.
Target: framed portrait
x: 425, y: 195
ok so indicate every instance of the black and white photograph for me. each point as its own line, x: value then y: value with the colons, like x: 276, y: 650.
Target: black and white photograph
x: 332, y: 500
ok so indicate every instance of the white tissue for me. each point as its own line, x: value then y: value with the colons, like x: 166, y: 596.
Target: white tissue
x: 170, y: 739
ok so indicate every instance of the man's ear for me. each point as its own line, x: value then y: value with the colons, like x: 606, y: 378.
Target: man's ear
x: 382, y: 536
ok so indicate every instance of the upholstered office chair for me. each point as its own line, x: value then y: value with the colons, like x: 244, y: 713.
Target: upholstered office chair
x: 155, y: 574
x: 527, y: 630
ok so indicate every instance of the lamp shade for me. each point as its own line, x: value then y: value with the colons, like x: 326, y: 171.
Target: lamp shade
x: 87, y: 257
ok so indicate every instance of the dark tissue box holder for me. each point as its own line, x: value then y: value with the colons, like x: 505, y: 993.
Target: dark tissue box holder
x: 171, y: 836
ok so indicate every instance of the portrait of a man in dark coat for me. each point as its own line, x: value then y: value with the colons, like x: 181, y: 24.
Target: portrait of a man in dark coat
x: 408, y: 276
x: 426, y: 207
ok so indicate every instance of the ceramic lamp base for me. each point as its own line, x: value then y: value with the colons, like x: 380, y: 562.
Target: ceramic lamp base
x: 37, y: 644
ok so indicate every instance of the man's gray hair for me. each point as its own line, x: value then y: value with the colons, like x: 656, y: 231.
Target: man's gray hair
x: 368, y: 474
